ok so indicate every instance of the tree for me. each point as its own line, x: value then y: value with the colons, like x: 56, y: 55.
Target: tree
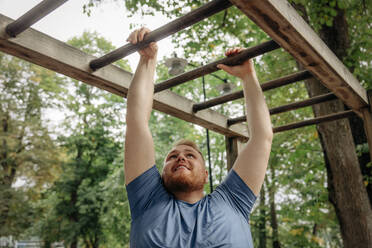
x: 92, y: 141
x: 28, y: 152
x: 342, y: 163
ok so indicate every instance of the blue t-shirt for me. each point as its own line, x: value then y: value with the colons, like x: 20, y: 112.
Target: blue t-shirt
x: 220, y: 219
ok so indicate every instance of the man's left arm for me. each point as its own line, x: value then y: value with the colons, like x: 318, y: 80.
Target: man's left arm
x: 251, y: 163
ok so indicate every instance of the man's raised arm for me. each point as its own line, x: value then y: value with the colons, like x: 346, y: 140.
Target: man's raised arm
x: 139, y: 146
x: 252, y: 161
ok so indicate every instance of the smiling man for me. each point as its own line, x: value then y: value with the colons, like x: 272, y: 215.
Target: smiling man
x: 184, y: 172
x: 170, y: 210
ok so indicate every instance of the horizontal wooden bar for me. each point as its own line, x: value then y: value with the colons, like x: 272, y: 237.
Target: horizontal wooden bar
x: 32, y: 16
x: 212, y: 67
x: 183, y: 22
x: 291, y: 106
x: 302, y: 104
x: 317, y: 120
x: 58, y: 56
x: 298, y: 76
x: 284, y: 25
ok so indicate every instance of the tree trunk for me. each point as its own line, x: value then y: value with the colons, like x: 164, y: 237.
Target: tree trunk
x: 262, y: 220
x: 359, y: 137
x: 273, y: 219
x: 74, y: 244
x: 346, y: 189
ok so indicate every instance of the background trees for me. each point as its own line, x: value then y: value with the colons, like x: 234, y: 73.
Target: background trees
x: 75, y: 187
x: 28, y: 152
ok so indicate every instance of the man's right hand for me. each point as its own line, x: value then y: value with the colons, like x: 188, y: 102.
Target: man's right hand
x: 139, y: 146
x: 139, y: 35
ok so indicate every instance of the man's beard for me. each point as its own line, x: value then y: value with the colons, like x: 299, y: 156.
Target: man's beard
x: 183, y: 183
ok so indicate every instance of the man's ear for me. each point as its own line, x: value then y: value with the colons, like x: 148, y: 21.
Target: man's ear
x: 206, y: 177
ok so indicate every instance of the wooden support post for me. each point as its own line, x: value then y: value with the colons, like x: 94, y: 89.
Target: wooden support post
x: 367, y: 120
x: 233, y: 147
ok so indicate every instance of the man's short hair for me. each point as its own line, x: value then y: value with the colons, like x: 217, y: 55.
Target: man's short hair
x: 187, y: 142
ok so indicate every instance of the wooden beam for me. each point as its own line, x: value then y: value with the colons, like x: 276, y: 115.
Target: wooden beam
x: 55, y: 55
x: 283, y: 24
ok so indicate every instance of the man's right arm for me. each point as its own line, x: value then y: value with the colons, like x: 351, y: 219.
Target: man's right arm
x: 139, y: 146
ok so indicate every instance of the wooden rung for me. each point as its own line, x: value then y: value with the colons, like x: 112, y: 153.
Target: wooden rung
x: 295, y: 77
x: 212, y: 67
x: 183, y: 22
x: 291, y: 106
x: 317, y: 120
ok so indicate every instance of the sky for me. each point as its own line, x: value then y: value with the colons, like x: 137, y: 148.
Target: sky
x: 108, y: 19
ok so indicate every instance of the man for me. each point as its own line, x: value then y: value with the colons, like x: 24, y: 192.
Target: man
x: 171, y: 210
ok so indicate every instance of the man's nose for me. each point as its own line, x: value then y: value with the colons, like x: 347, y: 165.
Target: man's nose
x: 181, y: 157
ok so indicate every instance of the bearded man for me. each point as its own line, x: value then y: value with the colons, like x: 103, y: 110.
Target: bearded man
x: 170, y: 210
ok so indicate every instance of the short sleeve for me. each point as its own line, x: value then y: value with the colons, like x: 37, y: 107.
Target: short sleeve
x: 143, y: 190
x: 236, y: 193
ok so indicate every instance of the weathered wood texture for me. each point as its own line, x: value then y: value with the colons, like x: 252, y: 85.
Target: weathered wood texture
x: 282, y: 23
x: 50, y: 53
x: 233, y: 147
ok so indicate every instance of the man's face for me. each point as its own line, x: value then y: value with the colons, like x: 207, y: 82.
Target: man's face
x: 184, y: 170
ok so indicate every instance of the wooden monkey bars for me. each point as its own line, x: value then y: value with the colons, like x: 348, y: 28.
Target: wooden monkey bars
x: 276, y: 17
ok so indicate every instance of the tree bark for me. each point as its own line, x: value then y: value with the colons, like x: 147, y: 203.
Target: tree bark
x: 74, y: 244
x: 273, y: 219
x: 347, y: 192
x: 359, y: 137
x: 262, y: 220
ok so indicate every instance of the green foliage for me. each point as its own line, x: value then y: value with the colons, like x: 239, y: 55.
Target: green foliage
x: 16, y: 211
x: 322, y: 14
x: 75, y: 208
x: 88, y: 202
x: 93, y: 44
x: 28, y: 152
x: 115, y: 216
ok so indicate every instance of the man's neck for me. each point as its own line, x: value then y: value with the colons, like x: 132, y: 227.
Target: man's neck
x: 190, y: 197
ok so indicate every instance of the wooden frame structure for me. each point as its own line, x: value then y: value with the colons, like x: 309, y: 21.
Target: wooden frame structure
x: 276, y: 17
